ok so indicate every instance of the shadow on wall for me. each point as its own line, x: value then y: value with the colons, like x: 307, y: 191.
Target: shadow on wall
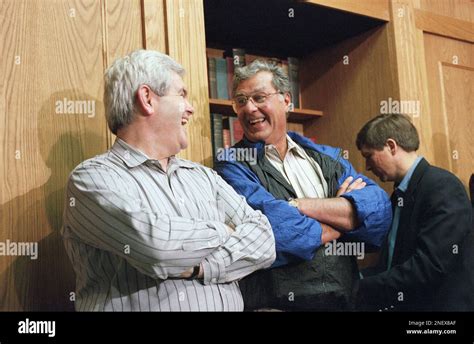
x: 46, y: 283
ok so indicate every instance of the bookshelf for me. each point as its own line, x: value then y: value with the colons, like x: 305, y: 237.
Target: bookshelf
x: 280, y: 30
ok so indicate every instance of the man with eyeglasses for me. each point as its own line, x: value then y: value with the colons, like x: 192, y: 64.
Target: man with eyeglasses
x: 310, y: 194
x: 145, y: 230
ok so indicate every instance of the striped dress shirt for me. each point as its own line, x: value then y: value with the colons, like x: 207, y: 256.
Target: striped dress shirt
x: 131, y: 229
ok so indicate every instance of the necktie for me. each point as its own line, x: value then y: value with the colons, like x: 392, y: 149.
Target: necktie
x: 397, y: 204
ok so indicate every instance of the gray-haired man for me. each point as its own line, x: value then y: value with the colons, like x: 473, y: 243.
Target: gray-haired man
x: 145, y: 230
x: 310, y: 194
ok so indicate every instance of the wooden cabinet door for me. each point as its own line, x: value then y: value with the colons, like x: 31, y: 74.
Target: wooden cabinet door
x: 450, y: 73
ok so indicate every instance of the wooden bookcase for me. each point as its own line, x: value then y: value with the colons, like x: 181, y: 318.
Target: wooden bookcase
x: 322, y: 38
x: 356, y: 54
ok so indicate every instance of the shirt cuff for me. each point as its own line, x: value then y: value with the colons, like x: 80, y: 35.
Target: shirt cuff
x: 214, y: 268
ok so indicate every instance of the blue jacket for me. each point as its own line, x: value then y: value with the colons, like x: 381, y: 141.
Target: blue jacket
x: 297, y: 236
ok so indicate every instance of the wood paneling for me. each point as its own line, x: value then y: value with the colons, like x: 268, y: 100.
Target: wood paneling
x: 186, y: 44
x: 459, y: 9
x: 458, y: 90
x: 54, y: 53
x: 51, y: 55
x: 370, y: 8
x: 296, y: 127
x: 348, y: 94
x: 450, y: 69
x: 406, y: 45
x: 444, y: 26
x: 154, y: 25
x: 123, y: 30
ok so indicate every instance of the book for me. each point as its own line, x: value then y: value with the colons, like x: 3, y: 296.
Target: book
x: 217, y: 138
x: 211, y: 71
x: 293, y: 70
x: 236, y: 131
x: 230, y: 75
x: 221, y: 78
x: 238, y: 57
x: 226, y: 132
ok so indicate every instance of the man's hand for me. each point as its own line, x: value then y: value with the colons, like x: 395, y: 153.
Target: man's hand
x: 230, y: 228
x: 349, y: 186
x: 329, y: 234
x: 189, y: 272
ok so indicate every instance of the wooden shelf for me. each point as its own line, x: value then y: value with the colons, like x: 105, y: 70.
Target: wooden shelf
x: 224, y: 107
x: 254, y: 24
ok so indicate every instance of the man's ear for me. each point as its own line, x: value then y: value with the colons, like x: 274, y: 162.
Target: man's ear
x: 287, y: 100
x: 392, y: 145
x: 144, y: 98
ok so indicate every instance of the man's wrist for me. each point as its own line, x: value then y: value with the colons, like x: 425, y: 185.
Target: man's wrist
x: 293, y: 202
x: 195, y: 273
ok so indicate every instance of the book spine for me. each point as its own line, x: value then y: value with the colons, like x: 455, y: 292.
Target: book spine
x: 211, y: 62
x: 221, y: 77
x: 293, y: 70
x: 230, y: 75
x: 217, y: 139
x: 226, y: 132
x: 238, y: 56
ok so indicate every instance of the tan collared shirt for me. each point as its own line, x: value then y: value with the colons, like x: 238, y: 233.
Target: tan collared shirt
x: 131, y: 229
x: 299, y: 169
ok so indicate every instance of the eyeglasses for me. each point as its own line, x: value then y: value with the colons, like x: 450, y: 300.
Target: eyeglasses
x: 258, y: 99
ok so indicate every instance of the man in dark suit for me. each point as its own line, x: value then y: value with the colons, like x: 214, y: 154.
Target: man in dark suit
x: 427, y: 260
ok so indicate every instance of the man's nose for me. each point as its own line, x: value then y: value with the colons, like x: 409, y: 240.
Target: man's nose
x: 251, y: 106
x: 189, y: 107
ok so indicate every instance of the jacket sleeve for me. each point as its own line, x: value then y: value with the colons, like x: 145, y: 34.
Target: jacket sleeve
x: 296, y: 235
x: 443, y: 225
x: 373, y: 207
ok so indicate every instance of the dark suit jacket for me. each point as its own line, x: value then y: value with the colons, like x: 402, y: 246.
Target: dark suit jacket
x: 433, y: 259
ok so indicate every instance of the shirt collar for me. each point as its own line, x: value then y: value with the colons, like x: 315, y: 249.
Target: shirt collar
x: 403, y: 186
x: 292, y: 146
x: 302, y: 141
x: 133, y: 157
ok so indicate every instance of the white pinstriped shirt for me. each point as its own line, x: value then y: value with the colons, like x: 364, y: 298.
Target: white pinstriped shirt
x: 131, y: 229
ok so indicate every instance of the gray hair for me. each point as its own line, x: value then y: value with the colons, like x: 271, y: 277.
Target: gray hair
x: 279, y: 80
x: 127, y: 74
x: 398, y: 127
